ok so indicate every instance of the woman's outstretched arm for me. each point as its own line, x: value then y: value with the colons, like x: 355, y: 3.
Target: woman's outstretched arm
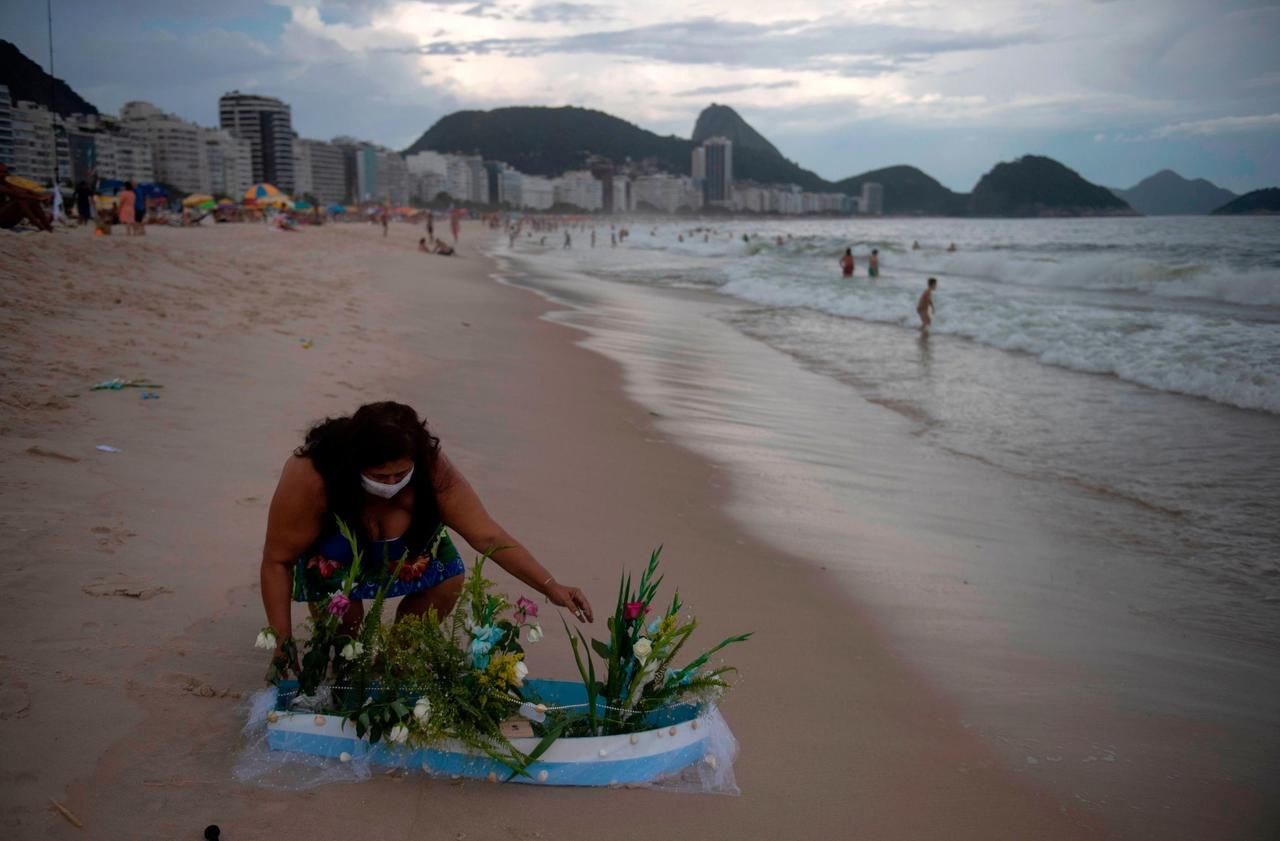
x: 462, y: 511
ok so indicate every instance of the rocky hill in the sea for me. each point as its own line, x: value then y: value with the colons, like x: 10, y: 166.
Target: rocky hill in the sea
x: 1259, y: 202
x: 1167, y: 193
x: 1038, y: 186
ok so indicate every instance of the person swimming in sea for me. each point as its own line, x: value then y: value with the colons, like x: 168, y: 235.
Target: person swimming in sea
x: 846, y: 263
x: 924, y: 306
x: 382, y: 474
x: 873, y: 263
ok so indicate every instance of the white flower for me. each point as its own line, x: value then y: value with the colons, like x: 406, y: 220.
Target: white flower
x: 352, y: 650
x: 266, y: 639
x: 522, y: 672
x: 399, y: 734
x: 643, y: 648
x: 535, y: 633
x: 422, y: 709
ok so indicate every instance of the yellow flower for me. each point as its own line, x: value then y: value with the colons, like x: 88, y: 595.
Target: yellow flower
x: 502, y: 669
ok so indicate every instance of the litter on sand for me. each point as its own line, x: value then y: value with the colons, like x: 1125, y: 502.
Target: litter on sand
x: 150, y: 395
x: 118, y: 383
x: 107, y: 448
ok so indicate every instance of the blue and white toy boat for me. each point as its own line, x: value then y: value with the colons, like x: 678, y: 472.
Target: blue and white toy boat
x: 677, y: 739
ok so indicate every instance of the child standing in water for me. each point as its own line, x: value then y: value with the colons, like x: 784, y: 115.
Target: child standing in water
x: 846, y: 263
x: 924, y: 307
x: 873, y: 263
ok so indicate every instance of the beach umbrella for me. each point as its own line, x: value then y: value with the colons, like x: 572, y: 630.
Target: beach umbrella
x: 197, y: 200
x: 24, y: 183
x: 258, y: 192
x: 225, y: 202
x: 275, y: 201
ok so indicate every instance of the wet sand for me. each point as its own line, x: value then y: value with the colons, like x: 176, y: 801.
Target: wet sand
x: 133, y: 575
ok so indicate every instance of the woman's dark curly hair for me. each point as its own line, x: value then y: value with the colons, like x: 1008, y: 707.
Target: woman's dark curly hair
x: 341, y: 448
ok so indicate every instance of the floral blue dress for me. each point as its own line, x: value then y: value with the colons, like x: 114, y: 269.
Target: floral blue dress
x: 323, y: 568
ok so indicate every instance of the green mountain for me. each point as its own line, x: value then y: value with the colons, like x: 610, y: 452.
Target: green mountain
x: 1264, y: 201
x: 1168, y: 193
x: 27, y: 80
x: 549, y: 141
x: 1038, y: 186
x: 908, y: 191
x: 754, y: 157
x: 722, y: 121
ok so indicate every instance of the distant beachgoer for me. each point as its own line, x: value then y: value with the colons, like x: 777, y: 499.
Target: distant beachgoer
x: 84, y: 200
x: 613, y: 240
x: 846, y: 263
x: 124, y: 207
x: 915, y: 246
x: 455, y: 226
x: 873, y: 263
x: 140, y: 211
x: 431, y: 229
x: 444, y: 248
x: 568, y: 243
x: 924, y: 307
x: 422, y: 246
x: 381, y: 472
x: 19, y: 204
x: 386, y: 220
x: 951, y: 247
x: 593, y: 237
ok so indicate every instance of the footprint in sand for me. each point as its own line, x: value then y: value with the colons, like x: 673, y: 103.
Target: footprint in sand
x: 111, y: 537
x: 15, y: 701
x: 122, y: 585
x: 198, y: 687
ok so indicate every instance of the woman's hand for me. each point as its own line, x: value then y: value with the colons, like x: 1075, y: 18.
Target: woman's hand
x: 284, y: 662
x: 572, y: 598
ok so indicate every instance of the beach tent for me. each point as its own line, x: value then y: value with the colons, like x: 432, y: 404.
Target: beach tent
x: 302, y: 205
x: 198, y: 200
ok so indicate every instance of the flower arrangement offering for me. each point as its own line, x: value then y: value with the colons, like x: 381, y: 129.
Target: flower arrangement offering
x: 639, y: 677
x: 431, y: 683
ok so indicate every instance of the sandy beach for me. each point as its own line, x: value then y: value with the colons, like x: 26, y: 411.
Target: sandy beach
x: 133, y: 578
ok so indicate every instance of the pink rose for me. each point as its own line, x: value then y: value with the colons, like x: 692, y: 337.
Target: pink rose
x: 338, y: 605
x: 526, y: 607
x: 633, y: 610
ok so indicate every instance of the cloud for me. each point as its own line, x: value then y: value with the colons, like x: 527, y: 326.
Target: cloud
x: 850, y: 49
x: 1219, y: 125
x: 718, y: 90
x: 565, y: 13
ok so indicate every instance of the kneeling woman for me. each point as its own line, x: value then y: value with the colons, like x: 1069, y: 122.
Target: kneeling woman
x: 381, y: 471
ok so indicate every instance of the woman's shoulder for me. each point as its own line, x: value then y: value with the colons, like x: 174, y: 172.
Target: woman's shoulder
x: 301, y: 479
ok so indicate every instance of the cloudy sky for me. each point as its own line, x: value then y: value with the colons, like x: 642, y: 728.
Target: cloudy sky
x: 1116, y: 90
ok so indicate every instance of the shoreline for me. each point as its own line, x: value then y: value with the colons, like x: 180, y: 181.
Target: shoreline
x: 1083, y: 733
x: 557, y: 451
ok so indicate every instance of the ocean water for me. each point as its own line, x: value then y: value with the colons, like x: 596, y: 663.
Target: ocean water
x: 1135, y: 358
x: 1062, y: 500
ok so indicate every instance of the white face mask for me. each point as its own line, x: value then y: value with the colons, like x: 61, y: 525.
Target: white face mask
x: 383, y: 490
